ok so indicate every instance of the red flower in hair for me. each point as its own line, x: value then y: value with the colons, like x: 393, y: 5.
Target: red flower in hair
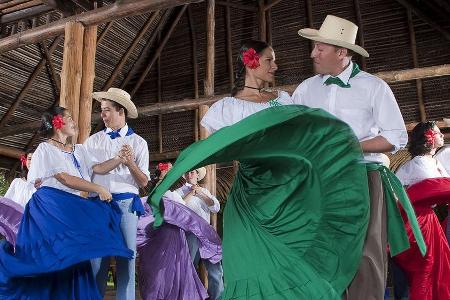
x: 23, y: 160
x: 250, y: 58
x: 163, y: 166
x: 430, y: 136
x: 58, y: 122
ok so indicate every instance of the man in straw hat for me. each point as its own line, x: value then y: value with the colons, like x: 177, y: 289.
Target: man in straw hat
x: 367, y: 104
x: 128, y: 159
x: 202, y: 202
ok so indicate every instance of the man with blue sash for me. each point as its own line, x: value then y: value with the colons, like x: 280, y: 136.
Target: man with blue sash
x: 126, y: 154
x: 367, y: 104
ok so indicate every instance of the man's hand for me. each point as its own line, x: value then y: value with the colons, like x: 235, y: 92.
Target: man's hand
x: 37, y: 183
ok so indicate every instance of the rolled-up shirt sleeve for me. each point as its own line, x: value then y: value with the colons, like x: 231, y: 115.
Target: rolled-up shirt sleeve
x: 213, y: 208
x: 388, y: 117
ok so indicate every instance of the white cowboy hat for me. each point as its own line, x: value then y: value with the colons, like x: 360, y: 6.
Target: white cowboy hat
x: 201, y: 173
x: 335, y: 31
x: 118, y: 96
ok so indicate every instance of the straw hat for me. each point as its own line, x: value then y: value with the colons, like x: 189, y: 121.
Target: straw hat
x: 335, y: 31
x: 201, y: 173
x: 118, y: 96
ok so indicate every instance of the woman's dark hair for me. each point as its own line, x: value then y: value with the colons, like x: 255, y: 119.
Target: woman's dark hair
x: 24, y: 168
x: 47, y: 129
x: 418, y: 144
x: 239, y: 77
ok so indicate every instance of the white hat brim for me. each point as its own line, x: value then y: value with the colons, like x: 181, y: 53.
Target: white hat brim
x: 130, y: 107
x: 313, y: 34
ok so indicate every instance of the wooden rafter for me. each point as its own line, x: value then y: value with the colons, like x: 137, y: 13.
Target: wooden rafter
x: 137, y: 65
x: 250, y: 8
x: 93, y: 17
x: 24, y: 14
x: 28, y: 85
x: 104, y: 32
x: 425, y: 18
x: 359, y: 21
x: 271, y: 4
x: 130, y: 50
x: 158, y: 50
x: 21, y: 6
x: 9, y: 4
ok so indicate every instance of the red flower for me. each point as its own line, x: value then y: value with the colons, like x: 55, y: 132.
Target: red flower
x: 58, y: 122
x: 250, y: 58
x: 430, y: 136
x: 23, y: 160
x: 163, y: 166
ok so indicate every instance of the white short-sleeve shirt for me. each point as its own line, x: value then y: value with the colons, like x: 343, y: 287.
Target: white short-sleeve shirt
x: 443, y: 156
x: 368, y: 106
x: 420, y: 168
x: 198, y: 205
x: 20, y: 191
x: 102, y: 148
x: 231, y: 110
x: 49, y: 160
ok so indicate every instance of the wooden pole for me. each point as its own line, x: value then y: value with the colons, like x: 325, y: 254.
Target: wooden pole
x: 262, y: 20
x: 87, y: 82
x: 194, y: 68
x: 419, y: 87
x: 11, y: 152
x: 94, y: 17
x: 229, y: 48
x: 159, y: 84
x: 210, y: 51
x: 71, y: 73
x: 360, y: 31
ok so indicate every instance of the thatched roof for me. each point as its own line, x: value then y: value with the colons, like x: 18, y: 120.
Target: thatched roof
x: 385, y: 27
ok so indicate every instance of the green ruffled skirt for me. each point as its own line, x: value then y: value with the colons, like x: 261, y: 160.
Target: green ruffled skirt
x: 296, y: 217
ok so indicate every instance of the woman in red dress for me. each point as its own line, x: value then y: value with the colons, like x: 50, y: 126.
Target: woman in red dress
x: 428, y: 184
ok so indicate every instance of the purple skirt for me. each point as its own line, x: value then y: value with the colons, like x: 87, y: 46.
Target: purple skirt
x: 165, y: 266
x: 10, y: 216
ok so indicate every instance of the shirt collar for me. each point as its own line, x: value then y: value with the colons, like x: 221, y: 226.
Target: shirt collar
x: 344, y: 76
x: 123, y: 131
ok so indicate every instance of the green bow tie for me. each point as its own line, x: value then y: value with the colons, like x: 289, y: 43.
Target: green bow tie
x: 339, y: 82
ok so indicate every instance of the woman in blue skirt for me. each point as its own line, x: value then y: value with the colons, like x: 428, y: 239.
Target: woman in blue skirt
x: 61, y: 231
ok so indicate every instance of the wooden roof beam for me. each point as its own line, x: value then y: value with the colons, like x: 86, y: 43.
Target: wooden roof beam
x: 24, y: 14
x: 158, y: 51
x: 425, y: 18
x: 6, y: 117
x: 93, y: 17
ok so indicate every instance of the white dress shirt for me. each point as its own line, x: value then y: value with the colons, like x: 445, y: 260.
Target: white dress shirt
x: 101, y: 148
x: 368, y: 106
x: 420, y: 168
x: 198, y: 205
x: 443, y: 156
x: 49, y: 160
x: 231, y: 110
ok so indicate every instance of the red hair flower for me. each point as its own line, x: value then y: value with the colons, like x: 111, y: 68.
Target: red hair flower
x: 163, y: 166
x: 58, y: 122
x: 430, y: 136
x: 23, y: 160
x: 250, y: 58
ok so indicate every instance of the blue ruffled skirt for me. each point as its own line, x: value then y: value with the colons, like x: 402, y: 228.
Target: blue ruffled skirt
x: 59, y: 234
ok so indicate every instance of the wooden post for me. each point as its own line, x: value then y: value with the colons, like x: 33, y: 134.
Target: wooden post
x: 71, y: 73
x: 194, y: 68
x: 360, y: 31
x: 159, y: 84
x: 210, y: 50
x: 419, y: 87
x: 229, y: 48
x: 87, y: 82
x: 262, y: 20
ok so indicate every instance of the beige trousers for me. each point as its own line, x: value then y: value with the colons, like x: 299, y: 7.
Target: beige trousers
x: 369, y: 282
